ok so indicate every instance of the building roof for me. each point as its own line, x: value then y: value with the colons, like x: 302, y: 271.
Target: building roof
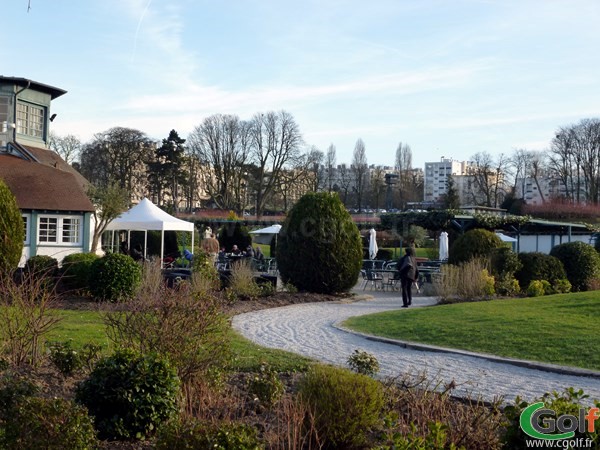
x: 46, y: 184
x: 54, y: 92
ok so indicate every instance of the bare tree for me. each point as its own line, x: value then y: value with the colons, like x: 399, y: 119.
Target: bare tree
x: 360, y: 170
x: 221, y: 146
x: 275, y: 141
x: 488, y: 179
x: 68, y: 147
x: 312, y: 168
x: 520, y: 163
x: 330, y: 166
x: 378, y: 186
x: 575, y: 159
x: 344, y: 182
x: 404, y: 170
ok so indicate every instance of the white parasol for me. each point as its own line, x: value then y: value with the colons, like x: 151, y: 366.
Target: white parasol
x: 265, y: 235
x: 443, y: 246
x: 373, y: 244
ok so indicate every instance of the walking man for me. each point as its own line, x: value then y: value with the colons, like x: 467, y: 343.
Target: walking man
x: 409, y: 273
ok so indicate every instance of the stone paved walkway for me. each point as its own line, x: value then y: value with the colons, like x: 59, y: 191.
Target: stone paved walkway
x: 312, y: 330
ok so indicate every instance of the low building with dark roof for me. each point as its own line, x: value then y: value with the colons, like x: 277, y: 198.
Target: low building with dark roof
x: 57, y: 214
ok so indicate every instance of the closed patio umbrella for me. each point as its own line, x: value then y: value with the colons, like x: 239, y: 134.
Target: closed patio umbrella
x: 443, y: 246
x: 373, y: 249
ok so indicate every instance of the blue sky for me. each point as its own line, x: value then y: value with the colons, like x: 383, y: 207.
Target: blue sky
x: 450, y: 78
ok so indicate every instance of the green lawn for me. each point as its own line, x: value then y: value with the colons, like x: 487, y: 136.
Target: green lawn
x: 559, y: 329
x: 87, y: 327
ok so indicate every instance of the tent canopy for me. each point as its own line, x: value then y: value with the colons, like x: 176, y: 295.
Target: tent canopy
x: 147, y: 216
x: 265, y: 235
x: 505, y: 238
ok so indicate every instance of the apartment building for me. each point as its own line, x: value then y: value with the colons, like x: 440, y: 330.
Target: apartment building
x: 435, y: 183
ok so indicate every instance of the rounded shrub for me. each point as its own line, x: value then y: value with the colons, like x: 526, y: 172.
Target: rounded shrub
x: 581, y: 262
x: 536, y: 288
x: 48, y: 423
x: 41, y: 266
x: 234, y: 233
x: 129, y: 394
x: 474, y: 243
x: 76, y: 269
x: 11, y: 230
x: 538, y: 266
x: 319, y: 247
x: 114, y: 277
x: 346, y: 405
x: 505, y: 263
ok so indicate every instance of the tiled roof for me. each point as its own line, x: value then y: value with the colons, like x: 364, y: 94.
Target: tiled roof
x: 50, y: 184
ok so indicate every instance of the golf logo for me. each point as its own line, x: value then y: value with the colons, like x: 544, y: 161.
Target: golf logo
x: 542, y: 423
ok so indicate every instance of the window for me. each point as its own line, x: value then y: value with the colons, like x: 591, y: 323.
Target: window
x: 30, y: 120
x: 60, y: 230
x: 70, y: 230
x: 25, y: 229
x: 4, y: 102
x: 48, y: 227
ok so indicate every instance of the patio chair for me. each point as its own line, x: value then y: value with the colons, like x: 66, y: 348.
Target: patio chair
x: 375, y: 279
x: 393, y: 281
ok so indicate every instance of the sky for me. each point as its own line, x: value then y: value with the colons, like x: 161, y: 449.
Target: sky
x: 450, y: 78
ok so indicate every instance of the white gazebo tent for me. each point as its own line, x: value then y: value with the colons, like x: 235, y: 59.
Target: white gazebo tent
x: 147, y: 216
x: 265, y: 235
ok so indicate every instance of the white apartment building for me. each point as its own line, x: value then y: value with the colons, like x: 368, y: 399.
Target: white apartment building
x: 436, y: 178
x: 546, y: 188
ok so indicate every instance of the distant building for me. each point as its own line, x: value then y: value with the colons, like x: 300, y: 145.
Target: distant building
x: 435, y: 183
x: 50, y: 193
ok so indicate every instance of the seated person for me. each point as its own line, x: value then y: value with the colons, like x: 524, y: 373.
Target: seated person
x: 258, y: 254
x: 249, y: 253
x: 235, y: 251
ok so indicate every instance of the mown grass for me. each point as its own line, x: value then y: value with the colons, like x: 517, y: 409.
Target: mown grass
x: 83, y: 327
x: 559, y: 329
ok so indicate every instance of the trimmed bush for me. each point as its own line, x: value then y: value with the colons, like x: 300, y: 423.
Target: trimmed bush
x: 505, y: 263
x: 130, y: 394
x: 114, y: 277
x: 345, y: 405
x: 536, y: 288
x: 562, y: 286
x: 538, y: 266
x: 194, y: 434
x: 11, y: 230
x: 234, y: 233
x: 48, y: 424
x: 77, y: 268
x: 41, y: 266
x: 319, y: 247
x: 474, y: 243
x: 581, y: 262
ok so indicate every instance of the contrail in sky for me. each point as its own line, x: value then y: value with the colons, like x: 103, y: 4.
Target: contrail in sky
x: 139, y: 25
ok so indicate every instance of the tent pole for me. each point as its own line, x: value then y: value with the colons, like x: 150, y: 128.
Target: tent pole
x: 145, y: 244
x: 162, y: 247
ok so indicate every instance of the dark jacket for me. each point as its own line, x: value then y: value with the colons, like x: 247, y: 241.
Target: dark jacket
x: 407, y: 266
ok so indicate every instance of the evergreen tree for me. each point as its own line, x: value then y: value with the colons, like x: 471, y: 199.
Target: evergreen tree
x: 166, y: 172
x: 11, y: 230
x: 451, y: 199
